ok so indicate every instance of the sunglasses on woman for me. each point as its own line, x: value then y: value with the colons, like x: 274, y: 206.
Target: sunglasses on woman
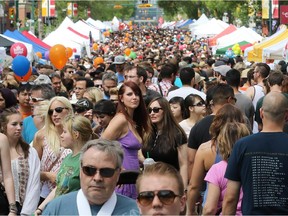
x: 57, y: 110
x: 199, y: 104
x: 104, y: 172
x: 154, y: 109
x: 166, y: 197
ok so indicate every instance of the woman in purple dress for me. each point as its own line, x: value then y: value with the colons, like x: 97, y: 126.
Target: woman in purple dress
x: 127, y: 127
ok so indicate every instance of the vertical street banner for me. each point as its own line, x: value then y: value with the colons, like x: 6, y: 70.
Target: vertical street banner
x: 265, y: 9
x: 48, y: 8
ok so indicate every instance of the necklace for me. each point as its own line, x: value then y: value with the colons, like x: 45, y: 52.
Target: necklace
x: 155, y: 141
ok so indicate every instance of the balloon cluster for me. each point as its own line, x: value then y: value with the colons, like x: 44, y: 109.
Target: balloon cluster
x: 59, y: 55
x: 236, y: 49
x: 20, y: 64
x: 229, y: 53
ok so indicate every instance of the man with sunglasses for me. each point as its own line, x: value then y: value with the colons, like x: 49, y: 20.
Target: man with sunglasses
x: 101, y: 162
x: 160, y: 190
x: 38, y: 93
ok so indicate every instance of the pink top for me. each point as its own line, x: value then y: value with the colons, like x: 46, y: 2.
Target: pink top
x: 48, y: 158
x: 215, y: 176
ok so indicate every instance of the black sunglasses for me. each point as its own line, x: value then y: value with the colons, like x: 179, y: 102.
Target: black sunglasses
x: 166, y: 197
x: 154, y: 109
x: 57, y: 109
x: 200, y: 104
x: 104, y: 172
x: 98, y: 86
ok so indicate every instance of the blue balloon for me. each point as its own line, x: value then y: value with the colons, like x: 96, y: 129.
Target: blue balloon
x: 20, y: 65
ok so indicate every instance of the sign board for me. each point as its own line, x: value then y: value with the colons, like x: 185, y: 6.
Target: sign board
x: 284, y: 14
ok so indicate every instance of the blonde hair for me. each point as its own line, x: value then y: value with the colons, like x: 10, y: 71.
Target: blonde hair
x: 229, y: 134
x: 113, y: 91
x: 52, y: 136
x: 95, y: 94
x: 81, y: 124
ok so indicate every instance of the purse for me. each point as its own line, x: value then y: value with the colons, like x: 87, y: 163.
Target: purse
x: 4, y: 204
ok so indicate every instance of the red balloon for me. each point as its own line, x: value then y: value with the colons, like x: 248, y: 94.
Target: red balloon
x: 74, y: 50
x: 18, y: 49
x: 25, y: 77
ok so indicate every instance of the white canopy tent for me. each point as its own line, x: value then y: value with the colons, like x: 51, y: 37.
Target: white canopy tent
x: 202, y: 19
x: 97, y: 24
x: 241, y: 34
x: 85, y: 29
x: 210, y: 28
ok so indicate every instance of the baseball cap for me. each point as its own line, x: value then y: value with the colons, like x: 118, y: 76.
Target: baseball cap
x: 82, y: 105
x: 42, y: 79
x: 222, y: 69
x: 198, y: 78
x: 244, y: 73
x: 119, y: 59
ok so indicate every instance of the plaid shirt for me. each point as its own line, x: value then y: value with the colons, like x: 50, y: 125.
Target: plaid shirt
x: 165, y: 86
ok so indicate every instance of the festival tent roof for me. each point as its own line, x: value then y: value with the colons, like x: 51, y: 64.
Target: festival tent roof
x: 256, y: 54
x: 202, y: 19
x: 231, y: 28
x: 60, y: 37
x: 83, y: 27
x: 36, y: 40
x: 67, y: 22
x: 99, y: 25
x: 5, y: 42
x: 276, y: 51
x: 29, y: 47
x: 241, y: 34
x: 185, y: 23
x: 210, y: 28
x: 243, y: 45
x: 18, y: 36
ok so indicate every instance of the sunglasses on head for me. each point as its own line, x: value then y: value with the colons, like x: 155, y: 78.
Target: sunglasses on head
x: 166, y: 197
x: 200, y: 104
x: 57, y: 109
x: 104, y: 172
x: 27, y: 83
x: 154, y: 109
x: 35, y: 99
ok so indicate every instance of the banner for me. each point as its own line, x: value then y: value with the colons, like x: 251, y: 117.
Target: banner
x: 265, y: 9
x: 284, y: 14
x: 48, y: 8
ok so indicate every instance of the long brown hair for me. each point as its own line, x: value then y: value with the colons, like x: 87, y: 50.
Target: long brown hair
x: 4, y: 119
x: 140, y: 116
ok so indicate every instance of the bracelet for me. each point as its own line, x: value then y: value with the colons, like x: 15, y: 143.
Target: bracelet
x: 13, y: 208
x: 39, y: 210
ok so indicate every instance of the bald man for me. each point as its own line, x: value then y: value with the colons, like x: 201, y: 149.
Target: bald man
x: 259, y: 164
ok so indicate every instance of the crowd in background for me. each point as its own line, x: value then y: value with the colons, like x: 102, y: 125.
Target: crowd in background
x: 160, y: 93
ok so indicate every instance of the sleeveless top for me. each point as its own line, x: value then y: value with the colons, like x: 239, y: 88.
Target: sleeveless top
x: 130, y: 145
x: 258, y: 93
x: 51, y: 162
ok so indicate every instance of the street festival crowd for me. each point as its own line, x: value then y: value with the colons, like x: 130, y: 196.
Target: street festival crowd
x: 152, y: 123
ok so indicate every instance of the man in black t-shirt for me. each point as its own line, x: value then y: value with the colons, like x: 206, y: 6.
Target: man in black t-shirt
x: 259, y: 164
x: 221, y: 94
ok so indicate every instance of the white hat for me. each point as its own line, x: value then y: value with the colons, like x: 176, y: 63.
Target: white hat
x: 42, y: 79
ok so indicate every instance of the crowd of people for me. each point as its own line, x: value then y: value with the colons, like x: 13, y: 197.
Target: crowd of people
x: 74, y: 141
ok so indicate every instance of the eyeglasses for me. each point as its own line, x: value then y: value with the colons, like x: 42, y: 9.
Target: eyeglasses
x: 166, y: 197
x: 104, y: 172
x: 35, y: 99
x: 70, y: 72
x: 57, y: 110
x: 154, y: 109
x: 199, y: 104
x: 98, y: 86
